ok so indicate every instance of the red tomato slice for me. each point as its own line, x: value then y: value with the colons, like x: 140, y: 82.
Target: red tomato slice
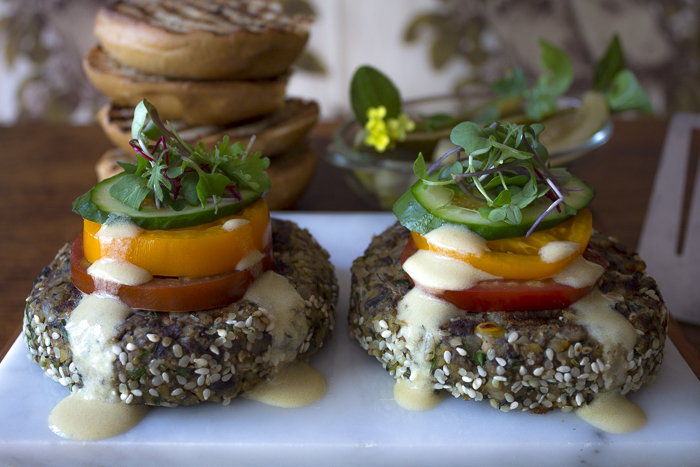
x: 173, y: 293
x: 512, y: 295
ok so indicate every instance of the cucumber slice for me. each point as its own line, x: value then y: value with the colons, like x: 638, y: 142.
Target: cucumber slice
x: 424, y: 208
x: 97, y: 204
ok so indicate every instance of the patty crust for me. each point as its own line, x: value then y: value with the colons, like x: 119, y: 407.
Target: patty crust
x: 170, y: 359
x: 518, y: 360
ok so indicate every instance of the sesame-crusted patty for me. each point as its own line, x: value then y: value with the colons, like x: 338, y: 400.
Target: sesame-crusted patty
x: 518, y: 360
x: 173, y: 359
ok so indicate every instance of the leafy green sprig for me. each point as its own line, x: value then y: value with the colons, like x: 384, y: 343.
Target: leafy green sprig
x: 370, y: 88
x: 610, y: 76
x: 171, y: 173
x: 503, y: 167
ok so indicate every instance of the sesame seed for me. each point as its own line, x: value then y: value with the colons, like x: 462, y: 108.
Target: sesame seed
x: 130, y: 346
x: 564, y: 369
x: 501, y: 361
x: 123, y: 358
x: 157, y: 381
x: 153, y: 337
x: 461, y: 351
x: 481, y: 371
x: 538, y: 371
x: 499, y: 378
x: 177, y: 392
x: 200, y: 362
x: 491, y: 354
x: 202, y: 371
x: 500, y: 370
x: 579, y: 399
x: 167, y: 341
x: 386, y: 334
x: 522, y: 371
x: 447, y: 356
x: 512, y: 337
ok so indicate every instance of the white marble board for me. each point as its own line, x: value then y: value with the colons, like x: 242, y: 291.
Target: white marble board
x: 357, y: 422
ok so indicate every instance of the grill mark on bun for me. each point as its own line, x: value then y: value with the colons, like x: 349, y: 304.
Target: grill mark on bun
x: 215, y: 16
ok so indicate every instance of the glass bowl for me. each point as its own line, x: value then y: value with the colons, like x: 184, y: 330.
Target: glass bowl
x: 381, y: 178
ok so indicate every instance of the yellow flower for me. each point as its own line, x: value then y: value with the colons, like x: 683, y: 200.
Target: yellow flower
x: 382, y: 134
x: 398, y: 127
x: 376, y: 129
x: 376, y: 113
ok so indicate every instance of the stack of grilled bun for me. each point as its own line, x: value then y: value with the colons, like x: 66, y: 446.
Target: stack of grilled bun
x: 212, y: 68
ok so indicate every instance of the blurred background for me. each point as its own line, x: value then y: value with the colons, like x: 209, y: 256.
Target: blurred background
x: 427, y: 47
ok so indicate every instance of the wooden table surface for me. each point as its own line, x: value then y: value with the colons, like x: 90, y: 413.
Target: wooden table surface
x: 47, y: 166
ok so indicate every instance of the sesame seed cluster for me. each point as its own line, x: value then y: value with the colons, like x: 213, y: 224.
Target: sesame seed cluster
x: 170, y: 359
x: 529, y: 361
x: 216, y: 16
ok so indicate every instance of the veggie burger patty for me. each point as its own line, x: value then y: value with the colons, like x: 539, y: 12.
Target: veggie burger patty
x: 170, y: 359
x: 517, y: 360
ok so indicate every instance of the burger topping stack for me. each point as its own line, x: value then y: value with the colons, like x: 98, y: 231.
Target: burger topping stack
x: 502, y: 290
x: 180, y: 290
x: 209, y: 67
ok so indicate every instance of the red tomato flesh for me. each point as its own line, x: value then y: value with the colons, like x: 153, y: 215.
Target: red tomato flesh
x: 512, y: 295
x: 172, y: 294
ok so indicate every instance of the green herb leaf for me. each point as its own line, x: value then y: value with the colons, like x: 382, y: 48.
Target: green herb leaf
x: 514, y: 84
x: 371, y: 88
x: 471, y: 137
x: 131, y: 190
x: 626, y: 93
x: 139, y: 121
x: 609, y: 65
x: 479, y: 358
x: 419, y: 167
x: 211, y: 185
x: 559, y: 72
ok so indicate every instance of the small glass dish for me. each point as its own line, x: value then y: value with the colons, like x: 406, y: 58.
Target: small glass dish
x: 381, y: 178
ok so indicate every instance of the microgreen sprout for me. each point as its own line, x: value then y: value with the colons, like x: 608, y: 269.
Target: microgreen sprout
x: 171, y: 173
x: 502, y: 167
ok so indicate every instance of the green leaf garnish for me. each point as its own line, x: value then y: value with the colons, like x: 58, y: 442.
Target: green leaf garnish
x: 502, y: 166
x: 171, y: 173
x: 610, y: 64
x: 371, y: 88
x: 626, y: 93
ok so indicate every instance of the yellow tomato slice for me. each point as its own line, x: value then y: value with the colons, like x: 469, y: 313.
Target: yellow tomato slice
x: 518, y: 258
x: 199, y: 251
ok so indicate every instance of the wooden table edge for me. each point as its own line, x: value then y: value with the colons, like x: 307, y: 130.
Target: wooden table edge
x: 687, y: 351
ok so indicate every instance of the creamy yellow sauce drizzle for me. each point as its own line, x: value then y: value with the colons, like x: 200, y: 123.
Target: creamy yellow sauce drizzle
x: 76, y: 417
x: 249, y: 260
x: 557, y: 251
x: 285, y: 308
x: 614, y: 413
x: 458, y: 239
x: 580, y: 273
x: 422, y: 315
x: 295, y: 385
x: 439, y: 272
x: 119, y: 272
x: 95, y: 411
x: 233, y: 224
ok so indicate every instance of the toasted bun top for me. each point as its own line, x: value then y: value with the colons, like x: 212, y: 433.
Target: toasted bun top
x: 202, y: 39
x: 215, y: 16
